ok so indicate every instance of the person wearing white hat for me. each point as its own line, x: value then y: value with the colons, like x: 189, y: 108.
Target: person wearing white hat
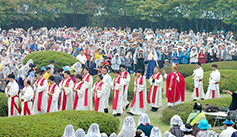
x: 193, y: 56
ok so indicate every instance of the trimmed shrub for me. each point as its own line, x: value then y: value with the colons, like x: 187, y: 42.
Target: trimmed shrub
x: 130, y: 87
x: 53, y: 124
x: 228, y: 80
x: 3, y: 104
x: 187, y: 69
x: 184, y: 109
x: 42, y: 58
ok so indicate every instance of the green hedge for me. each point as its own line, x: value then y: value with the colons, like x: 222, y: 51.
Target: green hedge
x: 3, y: 104
x: 130, y: 87
x: 187, y: 69
x: 53, y: 124
x: 228, y: 80
x: 184, y: 109
x: 42, y: 58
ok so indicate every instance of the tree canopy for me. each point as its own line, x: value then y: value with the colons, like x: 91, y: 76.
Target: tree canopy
x: 151, y: 10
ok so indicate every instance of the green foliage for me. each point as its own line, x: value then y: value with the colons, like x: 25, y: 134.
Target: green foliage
x: 187, y: 69
x: 228, y: 80
x: 42, y: 58
x: 130, y: 87
x: 53, y: 124
x: 184, y: 109
x: 3, y: 106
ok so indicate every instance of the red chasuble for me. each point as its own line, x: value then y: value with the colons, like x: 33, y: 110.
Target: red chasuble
x: 86, y: 92
x: 154, y: 90
x: 40, y: 95
x: 116, y: 95
x: 179, y: 92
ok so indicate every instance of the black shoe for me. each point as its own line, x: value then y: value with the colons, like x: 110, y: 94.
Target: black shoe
x: 127, y: 106
x: 115, y: 115
x: 118, y: 114
x: 202, y: 98
x: 195, y: 100
x: 130, y: 113
x: 154, y: 109
x: 106, y: 110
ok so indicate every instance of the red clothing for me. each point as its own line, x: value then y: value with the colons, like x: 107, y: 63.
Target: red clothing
x: 106, y: 63
x: 170, y: 87
x: 88, y: 54
x: 201, y: 57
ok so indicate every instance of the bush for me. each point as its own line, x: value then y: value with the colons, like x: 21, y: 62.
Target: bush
x: 228, y: 80
x: 187, y: 69
x: 3, y: 104
x: 130, y: 87
x: 42, y: 58
x: 184, y: 109
x: 53, y: 124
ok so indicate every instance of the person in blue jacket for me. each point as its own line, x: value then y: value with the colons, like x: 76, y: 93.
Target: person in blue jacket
x: 175, y: 56
x: 184, y: 57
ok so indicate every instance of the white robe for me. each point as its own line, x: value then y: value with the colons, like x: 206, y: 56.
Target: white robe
x: 198, y: 83
x: 12, y: 93
x: 81, y: 95
x: 107, y: 80
x: 68, y: 92
x: 214, y: 78
x: 39, y: 89
x: 120, y: 98
x: 126, y: 84
x: 158, y: 98
x: 88, y: 85
x: 54, y: 103
x: 27, y: 97
x: 136, y: 108
x: 100, y: 94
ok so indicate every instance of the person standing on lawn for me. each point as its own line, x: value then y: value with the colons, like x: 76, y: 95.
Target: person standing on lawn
x: 117, y: 87
x: 198, y: 91
x: 26, y: 95
x: 107, y: 81
x: 155, y: 93
x: 138, y: 105
x: 175, y: 86
x: 88, y: 81
x: 213, y: 88
x: 126, y: 80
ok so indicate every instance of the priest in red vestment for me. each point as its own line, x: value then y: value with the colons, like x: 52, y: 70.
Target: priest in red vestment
x: 175, y: 86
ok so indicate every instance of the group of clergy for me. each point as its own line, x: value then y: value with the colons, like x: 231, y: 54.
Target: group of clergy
x: 43, y: 95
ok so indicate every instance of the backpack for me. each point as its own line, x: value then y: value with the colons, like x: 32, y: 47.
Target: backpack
x: 210, y: 108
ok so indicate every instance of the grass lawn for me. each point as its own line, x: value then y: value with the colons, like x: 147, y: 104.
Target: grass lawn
x: 155, y: 117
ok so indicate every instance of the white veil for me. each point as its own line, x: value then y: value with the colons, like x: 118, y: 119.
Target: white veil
x: 69, y: 131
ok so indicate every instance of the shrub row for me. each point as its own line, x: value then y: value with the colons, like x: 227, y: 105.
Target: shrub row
x: 228, y: 80
x: 3, y: 105
x: 42, y: 58
x: 184, y: 109
x: 187, y: 69
x: 53, y: 124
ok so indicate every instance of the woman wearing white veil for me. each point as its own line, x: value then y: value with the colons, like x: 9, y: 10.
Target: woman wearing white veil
x: 80, y: 133
x: 155, y: 132
x: 175, y: 123
x: 93, y: 131
x: 144, y: 124
x: 104, y: 135
x: 168, y: 134
x: 128, y: 129
x: 69, y: 131
x: 113, y: 135
x: 77, y: 67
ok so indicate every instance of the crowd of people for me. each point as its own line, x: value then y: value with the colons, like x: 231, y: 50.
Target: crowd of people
x: 196, y: 126
x: 100, y: 51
